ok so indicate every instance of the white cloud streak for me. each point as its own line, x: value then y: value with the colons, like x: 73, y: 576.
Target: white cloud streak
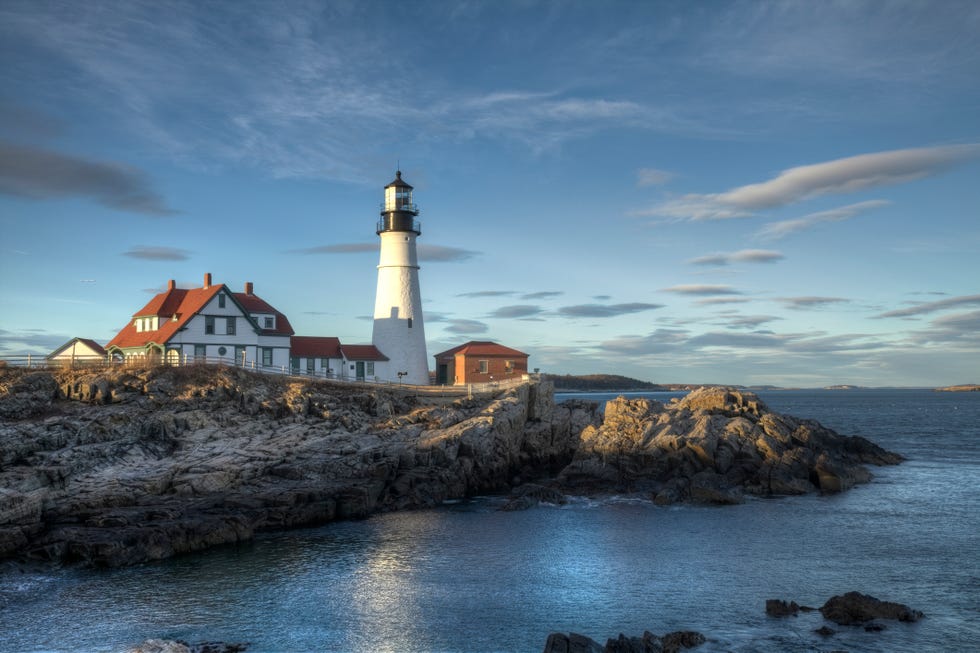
x: 840, y: 176
x: 932, y: 307
x: 741, y: 256
x: 783, y: 228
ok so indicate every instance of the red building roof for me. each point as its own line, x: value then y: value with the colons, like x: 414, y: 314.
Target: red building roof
x: 314, y: 347
x: 254, y: 304
x: 480, y: 348
x: 176, y: 306
x: 362, y: 353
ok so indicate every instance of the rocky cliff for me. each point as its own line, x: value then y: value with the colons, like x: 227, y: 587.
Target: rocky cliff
x: 714, y: 446
x: 123, y: 466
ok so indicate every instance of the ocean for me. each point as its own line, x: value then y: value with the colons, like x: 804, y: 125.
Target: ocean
x: 469, y: 578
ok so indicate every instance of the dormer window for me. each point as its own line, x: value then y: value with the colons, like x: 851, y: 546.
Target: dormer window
x: 270, y: 322
x: 138, y: 323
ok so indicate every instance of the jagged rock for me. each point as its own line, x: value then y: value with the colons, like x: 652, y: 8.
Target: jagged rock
x: 531, y: 494
x: 714, y: 446
x: 130, y: 465
x: 778, y: 608
x: 855, y: 608
x: 571, y: 643
x: 647, y: 643
x: 172, y: 646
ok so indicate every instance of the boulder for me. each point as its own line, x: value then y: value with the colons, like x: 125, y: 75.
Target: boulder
x: 855, y: 608
x: 647, y: 643
x: 714, y: 446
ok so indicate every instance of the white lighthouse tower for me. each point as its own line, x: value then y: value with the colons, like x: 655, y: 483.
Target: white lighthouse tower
x: 398, y: 330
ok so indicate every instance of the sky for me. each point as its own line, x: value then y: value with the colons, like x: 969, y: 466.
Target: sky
x: 750, y: 193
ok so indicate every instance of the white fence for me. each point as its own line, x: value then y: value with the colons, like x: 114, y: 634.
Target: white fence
x: 470, y: 389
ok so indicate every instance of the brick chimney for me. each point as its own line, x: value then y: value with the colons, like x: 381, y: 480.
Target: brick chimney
x: 207, y: 279
x: 171, y: 284
x: 248, y: 287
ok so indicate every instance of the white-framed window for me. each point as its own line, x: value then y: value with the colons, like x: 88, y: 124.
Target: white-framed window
x: 369, y: 368
x: 484, y: 367
x: 270, y: 322
x: 267, y: 357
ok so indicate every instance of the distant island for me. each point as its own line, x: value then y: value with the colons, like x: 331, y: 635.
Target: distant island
x: 963, y: 387
x: 611, y: 383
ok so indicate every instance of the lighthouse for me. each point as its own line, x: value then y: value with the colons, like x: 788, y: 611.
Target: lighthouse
x: 398, y: 329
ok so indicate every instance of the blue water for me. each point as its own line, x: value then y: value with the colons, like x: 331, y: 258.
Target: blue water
x: 469, y: 578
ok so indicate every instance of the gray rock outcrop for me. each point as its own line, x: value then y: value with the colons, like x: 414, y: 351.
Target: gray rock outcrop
x: 714, y: 446
x: 123, y: 466
x: 647, y: 643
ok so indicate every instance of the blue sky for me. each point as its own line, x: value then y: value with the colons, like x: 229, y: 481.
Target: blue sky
x: 721, y: 192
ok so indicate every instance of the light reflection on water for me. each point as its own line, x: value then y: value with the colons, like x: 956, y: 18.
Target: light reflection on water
x: 470, y: 578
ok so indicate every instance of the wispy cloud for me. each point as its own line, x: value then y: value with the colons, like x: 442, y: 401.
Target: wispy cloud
x: 477, y: 294
x: 42, y: 174
x: 702, y: 289
x: 544, y: 294
x: 741, y: 256
x: 932, y: 307
x: 516, y: 311
x: 341, y: 248
x: 150, y: 253
x: 800, y: 303
x: 840, y: 176
x: 443, y: 254
x: 652, y: 177
x: 783, y: 228
x: 426, y: 252
x: 605, y: 310
x: 466, y: 326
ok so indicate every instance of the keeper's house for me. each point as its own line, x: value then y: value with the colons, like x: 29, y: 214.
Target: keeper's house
x: 214, y: 323
x: 479, y: 362
x: 208, y: 322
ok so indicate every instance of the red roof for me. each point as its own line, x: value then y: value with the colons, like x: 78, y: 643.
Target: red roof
x: 362, y: 353
x: 481, y: 348
x: 314, y: 347
x: 184, y: 304
x: 254, y: 304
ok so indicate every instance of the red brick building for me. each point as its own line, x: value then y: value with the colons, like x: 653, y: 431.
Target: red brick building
x: 479, y: 362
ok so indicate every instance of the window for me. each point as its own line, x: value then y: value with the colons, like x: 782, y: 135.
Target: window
x: 230, y: 326
x: 267, y: 357
x: 508, y: 366
x: 484, y: 367
x: 239, y: 354
x: 270, y: 323
x: 310, y: 365
x: 294, y: 364
x: 409, y: 323
x: 222, y: 351
x: 139, y: 325
x: 209, y: 325
x: 200, y: 351
x: 221, y: 300
x: 369, y: 368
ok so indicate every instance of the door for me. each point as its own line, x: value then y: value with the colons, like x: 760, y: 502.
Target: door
x: 360, y: 370
x: 442, y: 374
